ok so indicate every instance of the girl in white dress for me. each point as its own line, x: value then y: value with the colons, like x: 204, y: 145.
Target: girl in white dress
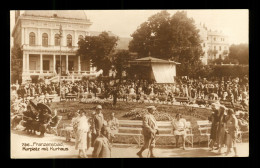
x: 179, y: 126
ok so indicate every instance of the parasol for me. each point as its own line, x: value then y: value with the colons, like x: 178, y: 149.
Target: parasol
x: 33, y: 103
x: 43, y: 106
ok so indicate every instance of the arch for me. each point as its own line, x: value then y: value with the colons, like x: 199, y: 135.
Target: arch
x: 32, y: 38
x: 69, y: 40
x: 57, y: 40
x: 45, y: 39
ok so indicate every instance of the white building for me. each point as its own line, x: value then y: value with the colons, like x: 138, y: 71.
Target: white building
x: 37, y: 32
x: 214, y: 44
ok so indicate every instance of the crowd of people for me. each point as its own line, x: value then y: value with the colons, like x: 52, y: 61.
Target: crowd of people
x: 95, y: 131
x: 225, y: 128
x: 233, y: 90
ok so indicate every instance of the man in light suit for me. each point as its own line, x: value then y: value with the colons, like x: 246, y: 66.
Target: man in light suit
x: 150, y: 129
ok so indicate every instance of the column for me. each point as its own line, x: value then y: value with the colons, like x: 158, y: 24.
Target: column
x: 22, y: 36
x: 79, y: 65
x: 54, y: 64
x: 51, y: 38
x: 24, y: 62
x: 41, y: 63
x: 28, y: 65
x: 67, y: 64
x: 38, y: 37
x: 75, y: 39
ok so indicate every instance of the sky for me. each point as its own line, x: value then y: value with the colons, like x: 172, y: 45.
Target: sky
x: 233, y: 23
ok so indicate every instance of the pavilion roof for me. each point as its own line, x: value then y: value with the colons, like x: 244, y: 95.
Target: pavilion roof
x: 152, y: 60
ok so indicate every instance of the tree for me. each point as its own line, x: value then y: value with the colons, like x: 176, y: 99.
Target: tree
x: 240, y: 53
x: 16, y: 63
x: 120, y: 60
x: 170, y: 37
x: 99, y: 50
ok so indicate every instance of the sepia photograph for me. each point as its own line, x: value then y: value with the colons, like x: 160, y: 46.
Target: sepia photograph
x: 129, y: 83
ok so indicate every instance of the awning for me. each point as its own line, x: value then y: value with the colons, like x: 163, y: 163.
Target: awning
x: 164, y: 73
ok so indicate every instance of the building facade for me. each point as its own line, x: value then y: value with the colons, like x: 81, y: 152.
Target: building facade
x: 214, y: 44
x: 45, y: 54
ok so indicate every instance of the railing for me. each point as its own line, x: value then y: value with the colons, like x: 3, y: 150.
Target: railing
x: 49, y: 47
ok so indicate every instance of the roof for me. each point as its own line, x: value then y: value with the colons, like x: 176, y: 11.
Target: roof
x: 69, y: 14
x: 152, y: 59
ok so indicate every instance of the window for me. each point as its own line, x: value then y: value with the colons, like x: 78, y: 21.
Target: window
x: 69, y: 40
x: 207, y: 38
x: 45, y: 39
x: 219, y: 48
x: 31, y: 38
x: 203, y: 44
x: 220, y: 57
x: 214, y: 38
x: 214, y: 47
x: 223, y: 39
x: 57, y: 39
x: 225, y: 47
x: 80, y: 37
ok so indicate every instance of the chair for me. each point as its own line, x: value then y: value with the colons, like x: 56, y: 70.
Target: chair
x: 189, y: 134
x: 55, y: 128
x: 204, y: 129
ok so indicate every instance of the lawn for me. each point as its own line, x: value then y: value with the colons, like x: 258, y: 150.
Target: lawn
x: 190, y: 114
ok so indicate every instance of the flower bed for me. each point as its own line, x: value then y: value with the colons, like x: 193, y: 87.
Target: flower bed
x: 137, y: 114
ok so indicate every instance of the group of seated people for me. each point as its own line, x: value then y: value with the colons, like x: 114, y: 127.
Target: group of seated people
x: 34, y: 120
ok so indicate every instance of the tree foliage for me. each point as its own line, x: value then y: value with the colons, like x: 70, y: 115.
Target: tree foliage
x: 16, y: 63
x: 120, y: 60
x: 240, y: 53
x: 98, y: 49
x: 170, y: 37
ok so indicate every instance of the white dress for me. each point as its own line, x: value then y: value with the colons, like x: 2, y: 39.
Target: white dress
x: 179, y: 127
x: 83, y: 127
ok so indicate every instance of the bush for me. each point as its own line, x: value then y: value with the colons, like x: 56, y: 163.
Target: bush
x: 138, y: 113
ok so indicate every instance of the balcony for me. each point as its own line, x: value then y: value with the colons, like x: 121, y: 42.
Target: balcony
x: 49, y: 48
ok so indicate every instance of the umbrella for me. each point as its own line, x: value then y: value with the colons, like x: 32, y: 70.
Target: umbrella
x: 33, y: 103
x: 43, y: 106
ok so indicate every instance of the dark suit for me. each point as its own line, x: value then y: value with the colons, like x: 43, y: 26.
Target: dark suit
x: 101, y: 148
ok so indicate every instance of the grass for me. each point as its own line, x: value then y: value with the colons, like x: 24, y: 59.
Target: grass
x: 121, y: 108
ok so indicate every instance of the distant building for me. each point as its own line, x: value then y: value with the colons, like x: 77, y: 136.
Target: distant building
x: 214, y: 44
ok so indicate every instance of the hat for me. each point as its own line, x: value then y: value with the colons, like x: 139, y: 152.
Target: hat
x: 99, y: 107
x: 151, y: 107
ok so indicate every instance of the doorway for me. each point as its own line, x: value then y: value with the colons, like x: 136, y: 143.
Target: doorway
x: 46, y: 65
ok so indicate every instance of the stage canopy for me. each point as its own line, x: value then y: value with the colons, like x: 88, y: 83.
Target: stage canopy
x: 163, y: 71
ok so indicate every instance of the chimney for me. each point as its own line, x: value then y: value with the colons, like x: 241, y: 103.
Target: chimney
x: 17, y: 14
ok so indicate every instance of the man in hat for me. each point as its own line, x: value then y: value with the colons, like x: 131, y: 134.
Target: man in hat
x: 98, y: 121
x: 150, y: 129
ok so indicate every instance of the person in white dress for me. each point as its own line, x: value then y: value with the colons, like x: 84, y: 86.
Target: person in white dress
x: 83, y: 128
x: 179, y: 127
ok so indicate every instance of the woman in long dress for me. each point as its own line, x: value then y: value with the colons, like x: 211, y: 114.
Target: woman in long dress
x: 179, y: 126
x: 231, y: 129
x: 83, y: 127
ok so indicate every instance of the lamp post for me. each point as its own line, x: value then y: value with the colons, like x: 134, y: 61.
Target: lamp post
x: 60, y: 36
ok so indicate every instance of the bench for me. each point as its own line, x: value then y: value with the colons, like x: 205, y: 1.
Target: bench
x: 49, y: 98
x: 134, y: 128
x: 71, y: 96
x: 204, y: 127
x: 182, y: 99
